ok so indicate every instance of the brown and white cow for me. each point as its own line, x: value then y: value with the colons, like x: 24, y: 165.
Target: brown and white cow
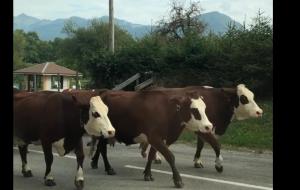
x: 58, y: 120
x: 223, y: 105
x: 155, y: 118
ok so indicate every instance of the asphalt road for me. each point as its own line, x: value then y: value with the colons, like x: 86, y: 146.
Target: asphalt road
x: 242, y: 170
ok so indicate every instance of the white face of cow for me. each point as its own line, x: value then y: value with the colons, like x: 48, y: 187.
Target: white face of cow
x: 199, y: 120
x: 99, y: 122
x: 247, y: 107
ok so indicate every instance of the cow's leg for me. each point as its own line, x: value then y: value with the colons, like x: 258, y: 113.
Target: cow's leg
x: 147, y: 172
x: 103, y: 149
x: 197, y: 161
x: 143, y: 147
x: 92, y: 144
x: 23, y: 153
x: 95, y: 158
x: 79, y: 179
x: 164, y: 150
x: 213, y: 141
x: 49, y: 180
x: 157, y: 159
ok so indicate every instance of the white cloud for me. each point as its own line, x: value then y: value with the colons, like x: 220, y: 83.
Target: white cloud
x: 137, y: 11
x: 239, y: 9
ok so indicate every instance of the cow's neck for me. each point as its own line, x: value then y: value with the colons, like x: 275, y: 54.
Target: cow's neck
x: 75, y: 133
x: 175, y: 129
x: 72, y: 140
x: 228, y: 114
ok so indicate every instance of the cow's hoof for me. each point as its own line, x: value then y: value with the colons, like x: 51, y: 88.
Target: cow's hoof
x: 79, y: 184
x: 198, y: 165
x: 94, y: 165
x: 178, y: 184
x: 219, y: 169
x: 148, y: 178
x: 50, y: 182
x: 27, y: 173
x: 157, y: 161
x: 110, y: 171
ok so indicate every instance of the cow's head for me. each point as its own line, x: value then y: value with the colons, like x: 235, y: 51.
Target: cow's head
x: 247, y: 107
x: 192, y: 109
x: 97, y: 122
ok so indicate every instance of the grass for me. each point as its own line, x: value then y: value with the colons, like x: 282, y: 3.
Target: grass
x: 251, y: 133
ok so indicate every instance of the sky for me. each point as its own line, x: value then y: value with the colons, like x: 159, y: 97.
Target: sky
x: 137, y: 11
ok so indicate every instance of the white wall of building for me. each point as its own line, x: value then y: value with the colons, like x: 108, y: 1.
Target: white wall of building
x: 47, y: 83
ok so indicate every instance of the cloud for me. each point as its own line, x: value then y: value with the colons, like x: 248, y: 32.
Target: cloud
x: 239, y: 9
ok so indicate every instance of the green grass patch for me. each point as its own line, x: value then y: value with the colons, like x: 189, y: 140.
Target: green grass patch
x: 250, y: 133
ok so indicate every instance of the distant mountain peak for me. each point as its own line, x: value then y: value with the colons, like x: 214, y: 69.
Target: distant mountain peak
x: 50, y: 29
x: 23, y: 15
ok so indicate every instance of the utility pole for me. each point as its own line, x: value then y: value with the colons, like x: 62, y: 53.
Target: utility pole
x: 111, y: 27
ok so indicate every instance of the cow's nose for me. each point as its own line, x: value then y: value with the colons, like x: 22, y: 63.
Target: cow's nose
x: 207, y: 128
x: 111, y: 132
x: 259, y: 113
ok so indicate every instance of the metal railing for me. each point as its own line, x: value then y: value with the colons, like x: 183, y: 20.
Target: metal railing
x: 127, y: 82
x: 144, y: 84
x: 136, y: 78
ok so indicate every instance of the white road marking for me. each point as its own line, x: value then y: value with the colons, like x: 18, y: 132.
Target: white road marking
x: 55, y: 154
x: 183, y: 175
x: 205, y: 178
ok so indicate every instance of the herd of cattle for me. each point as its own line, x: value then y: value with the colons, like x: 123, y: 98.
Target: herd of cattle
x: 154, y: 117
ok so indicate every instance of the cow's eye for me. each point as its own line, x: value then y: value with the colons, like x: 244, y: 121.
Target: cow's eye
x: 196, y: 113
x: 95, y: 114
x: 244, y: 99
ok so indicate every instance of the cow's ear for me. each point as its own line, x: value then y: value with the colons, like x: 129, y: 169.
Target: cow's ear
x: 103, y: 95
x: 230, y: 95
x: 192, y: 94
x: 226, y: 92
x: 177, y: 99
x: 74, y: 98
x: 81, y: 101
x: 229, y: 90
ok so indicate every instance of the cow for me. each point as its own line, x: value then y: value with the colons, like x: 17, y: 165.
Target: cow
x: 155, y: 118
x: 223, y: 105
x: 59, y: 120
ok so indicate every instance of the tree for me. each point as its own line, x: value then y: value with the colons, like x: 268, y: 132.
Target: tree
x: 86, y: 49
x: 19, y: 43
x: 182, y: 22
x: 32, y: 48
x: 249, y: 55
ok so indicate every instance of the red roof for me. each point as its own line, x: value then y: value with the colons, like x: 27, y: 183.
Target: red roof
x: 48, y: 68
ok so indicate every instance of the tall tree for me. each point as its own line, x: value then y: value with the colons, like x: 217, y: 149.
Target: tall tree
x: 182, y: 21
x: 19, y: 43
x: 87, y: 47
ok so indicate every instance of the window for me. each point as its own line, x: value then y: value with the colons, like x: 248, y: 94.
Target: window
x: 31, y: 82
x: 54, y: 82
x: 38, y: 81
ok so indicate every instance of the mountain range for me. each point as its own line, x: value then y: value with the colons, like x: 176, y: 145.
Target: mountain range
x: 50, y: 29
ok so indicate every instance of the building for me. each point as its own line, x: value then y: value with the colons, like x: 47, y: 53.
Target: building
x: 48, y: 76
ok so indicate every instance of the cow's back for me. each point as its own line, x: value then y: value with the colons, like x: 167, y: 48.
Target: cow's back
x: 133, y: 113
x: 28, y: 113
x: 43, y: 115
